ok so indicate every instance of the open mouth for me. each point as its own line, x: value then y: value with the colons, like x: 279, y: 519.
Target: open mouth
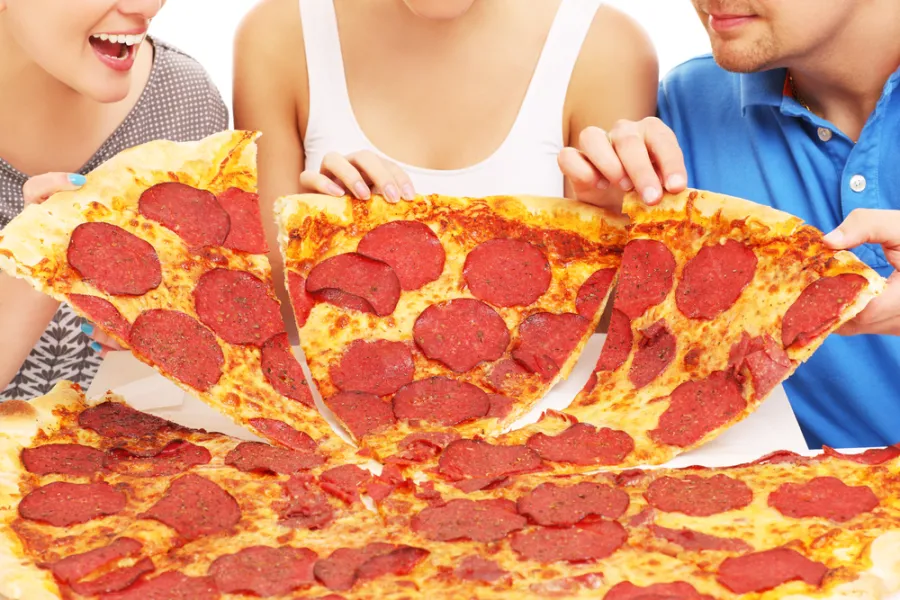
x: 116, y: 47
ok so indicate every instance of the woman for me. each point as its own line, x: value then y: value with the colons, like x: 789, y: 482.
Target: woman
x: 461, y: 97
x: 80, y: 81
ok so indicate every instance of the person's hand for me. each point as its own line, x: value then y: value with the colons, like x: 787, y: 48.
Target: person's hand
x: 36, y: 190
x: 359, y: 174
x: 869, y: 226
x: 642, y: 156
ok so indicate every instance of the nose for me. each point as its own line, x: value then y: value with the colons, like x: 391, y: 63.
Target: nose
x: 146, y: 9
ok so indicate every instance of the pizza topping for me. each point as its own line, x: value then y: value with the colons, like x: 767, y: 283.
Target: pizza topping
x: 477, y: 459
x: 698, y: 407
x: 476, y: 568
x: 361, y: 413
x: 344, y: 482
x: 767, y: 570
x: 195, y: 215
x: 257, y: 457
x: 246, y: 232
x: 371, y: 284
x: 698, y: 496
x: 592, y: 293
x: 194, y: 506
x: 102, y: 312
x: 340, y: 571
x: 283, y: 372
x: 387, y: 481
x: 819, y: 307
x: 113, y: 260
x: 304, y: 507
x: 696, y: 541
x: 180, y: 346
x: 873, y: 456
x: 460, y: 519
x: 375, y: 367
x: 547, y: 340
x: 114, y: 581
x: 656, y: 350
x: 117, y: 420
x: 762, y: 357
x: 282, y: 433
x: 440, y: 400
x: 238, y: 307
x: 645, y: 277
x: 507, y: 272
x: 62, y: 504
x: 712, y: 281
x: 500, y: 406
x: 421, y: 447
x: 410, y: 248
x: 677, y: 590
x: 550, y: 504
x: 826, y: 497
x: 62, y: 459
x: 618, y: 342
x: 78, y: 566
x: 590, y: 542
x: 461, y: 333
x: 169, y: 586
x: 583, y: 444
x: 507, y: 376
x: 301, y: 300
x: 398, y: 562
x: 263, y: 571
x: 176, y: 457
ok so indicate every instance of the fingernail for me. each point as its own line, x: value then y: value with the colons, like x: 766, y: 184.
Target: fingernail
x: 602, y: 184
x: 626, y: 184
x: 87, y: 328
x: 675, y: 182
x: 96, y: 347
x: 835, y: 238
x: 362, y: 190
x: 651, y: 195
x: 77, y: 179
x: 408, y: 192
x: 392, y: 193
x: 334, y: 189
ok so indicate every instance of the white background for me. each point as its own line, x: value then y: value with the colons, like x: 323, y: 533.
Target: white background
x: 205, y: 30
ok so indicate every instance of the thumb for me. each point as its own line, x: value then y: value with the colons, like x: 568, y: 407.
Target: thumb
x: 40, y: 187
x: 866, y: 226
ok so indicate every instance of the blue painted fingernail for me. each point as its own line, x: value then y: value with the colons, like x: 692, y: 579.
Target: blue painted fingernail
x: 87, y: 328
x: 76, y: 179
x: 96, y: 347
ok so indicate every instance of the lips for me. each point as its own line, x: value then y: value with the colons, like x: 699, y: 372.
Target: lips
x: 728, y: 22
x: 116, y: 51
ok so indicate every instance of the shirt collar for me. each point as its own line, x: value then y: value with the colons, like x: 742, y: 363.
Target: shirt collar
x: 765, y: 88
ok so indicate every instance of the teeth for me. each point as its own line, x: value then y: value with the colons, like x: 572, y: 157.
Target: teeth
x: 103, y: 37
x: 128, y: 40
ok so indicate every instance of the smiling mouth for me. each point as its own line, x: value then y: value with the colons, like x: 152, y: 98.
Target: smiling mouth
x: 116, y: 46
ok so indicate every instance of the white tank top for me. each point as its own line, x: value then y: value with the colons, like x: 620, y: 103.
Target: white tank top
x: 526, y: 161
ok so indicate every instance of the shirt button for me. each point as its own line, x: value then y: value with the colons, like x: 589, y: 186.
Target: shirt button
x: 824, y: 134
x: 857, y: 183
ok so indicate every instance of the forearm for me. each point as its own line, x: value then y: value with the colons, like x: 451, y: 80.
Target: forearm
x: 24, y: 315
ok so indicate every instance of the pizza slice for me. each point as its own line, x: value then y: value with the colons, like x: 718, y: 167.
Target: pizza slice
x: 163, y: 248
x: 445, y: 315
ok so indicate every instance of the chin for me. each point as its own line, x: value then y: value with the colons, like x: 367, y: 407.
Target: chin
x: 439, y: 10
x: 106, y: 90
x: 741, y: 58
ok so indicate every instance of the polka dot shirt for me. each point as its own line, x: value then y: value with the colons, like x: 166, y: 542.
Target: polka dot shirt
x: 179, y: 103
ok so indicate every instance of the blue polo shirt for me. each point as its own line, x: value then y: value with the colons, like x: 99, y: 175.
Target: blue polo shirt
x: 742, y: 136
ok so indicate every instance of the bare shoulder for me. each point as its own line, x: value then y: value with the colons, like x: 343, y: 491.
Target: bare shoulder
x: 271, y: 27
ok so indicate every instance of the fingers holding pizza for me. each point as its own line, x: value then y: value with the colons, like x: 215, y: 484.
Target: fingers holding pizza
x: 359, y: 174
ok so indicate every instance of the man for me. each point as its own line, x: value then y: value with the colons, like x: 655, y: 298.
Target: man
x: 798, y: 108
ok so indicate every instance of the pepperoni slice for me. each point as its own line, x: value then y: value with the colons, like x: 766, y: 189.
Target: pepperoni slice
x: 645, y: 277
x: 712, y: 281
x: 577, y: 544
x: 113, y: 260
x: 583, y: 444
x: 283, y: 372
x: 63, y: 504
x: 677, y: 590
x: 263, y: 571
x: 696, y: 541
x: 501, y: 406
x: 177, y: 457
x: 195, y: 215
x: 361, y: 413
x: 421, y: 447
x: 398, y: 562
x: 765, y: 361
x: 370, y: 281
x: 826, y: 497
x: 180, y: 346
x: 285, y: 435
x: 194, y: 507
x: 253, y: 457
x: 304, y: 507
x: 508, y: 376
x: 78, y: 566
x: 62, y: 459
x: 101, y: 312
x: 301, y: 301
x: 461, y: 333
x: 114, y: 581
x: 375, y: 367
x: 482, y: 521
x: 339, y: 571
x: 476, y: 568
x: 547, y: 340
x: 238, y: 307
x: 246, y: 233
x: 593, y: 292
x: 117, y: 420
x: 344, y: 482
x: 656, y: 351
x: 475, y: 458
x: 507, y: 272
x: 819, y: 308
x: 169, y: 586
x: 550, y: 504
x: 618, y: 343
x: 873, y: 456
x: 698, y: 496
x: 440, y: 400
x: 767, y: 570
x: 410, y: 248
x: 699, y: 407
